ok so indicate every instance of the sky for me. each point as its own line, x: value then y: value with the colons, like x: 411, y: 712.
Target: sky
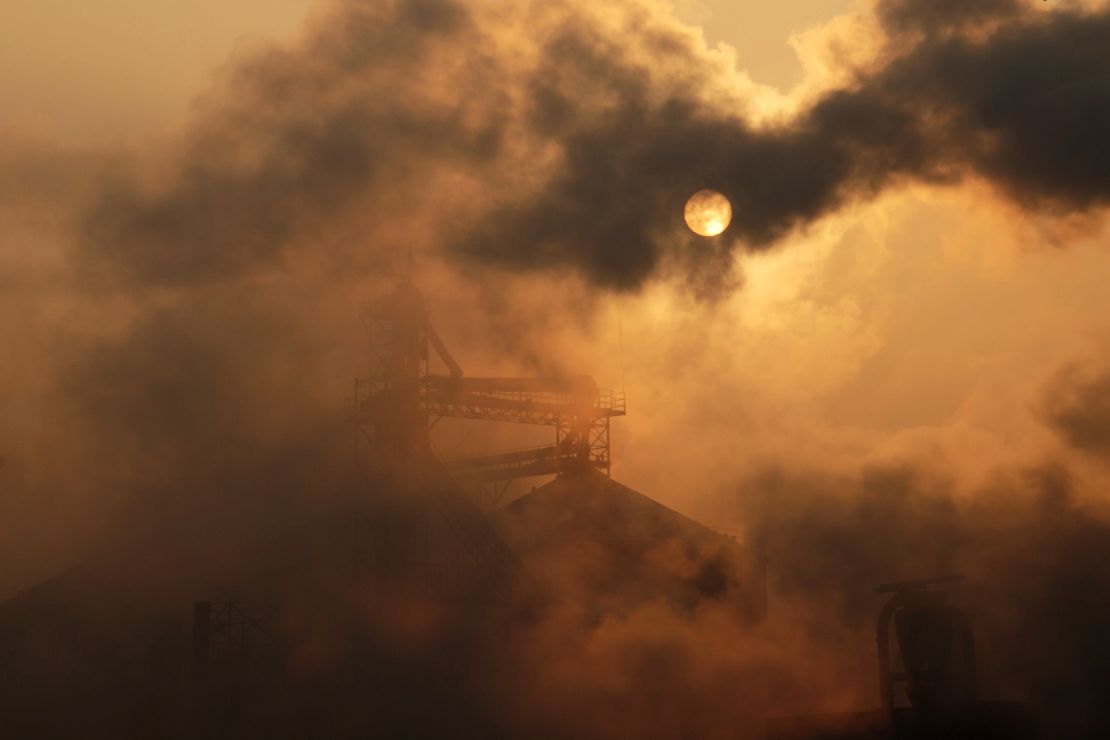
x: 71, y: 68
x: 907, y: 315
x: 123, y: 70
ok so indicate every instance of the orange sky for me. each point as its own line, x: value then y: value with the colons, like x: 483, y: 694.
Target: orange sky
x: 115, y: 69
x: 108, y: 71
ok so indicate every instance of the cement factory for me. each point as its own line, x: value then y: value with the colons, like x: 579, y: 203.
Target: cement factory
x: 415, y: 535
x: 321, y: 631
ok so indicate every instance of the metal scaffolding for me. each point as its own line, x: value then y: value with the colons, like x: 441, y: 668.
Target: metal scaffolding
x: 418, y: 532
x: 401, y: 401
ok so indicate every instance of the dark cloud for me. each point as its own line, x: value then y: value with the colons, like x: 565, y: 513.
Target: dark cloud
x: 1023, y: 108
x: 587, y: 144
x: 1077, y: 406
x: 938, y: 15
x: 612, y: 207
x: 299, y: 141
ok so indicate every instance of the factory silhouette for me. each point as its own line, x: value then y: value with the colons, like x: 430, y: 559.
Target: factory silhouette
x: 316, y: 632
x: 378, y: 616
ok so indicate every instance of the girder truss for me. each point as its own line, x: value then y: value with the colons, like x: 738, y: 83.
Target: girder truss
x: 402, y: 400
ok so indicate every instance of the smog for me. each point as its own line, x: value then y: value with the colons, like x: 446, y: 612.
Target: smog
x: 555, y: 369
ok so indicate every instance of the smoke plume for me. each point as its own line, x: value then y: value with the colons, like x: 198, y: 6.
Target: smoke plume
x: 562, y: 136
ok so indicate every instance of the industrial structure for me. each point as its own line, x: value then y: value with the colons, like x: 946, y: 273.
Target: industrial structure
x: 396, y: 407
x: 403, y: 399
x: 927, y: 679
x: 413, y: 529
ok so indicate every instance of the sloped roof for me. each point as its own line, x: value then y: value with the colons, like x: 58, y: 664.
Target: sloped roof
x: 590, y: 538
x: 589, y: 505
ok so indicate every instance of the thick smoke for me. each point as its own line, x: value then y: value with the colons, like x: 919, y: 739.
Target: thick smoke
x: 943, y: 15
x: 1029, y: 548
x: 202, y: 377
x: 578, y: 140
x: 300, y: 140
x: 1078, y: 408
x: 1023, y: 108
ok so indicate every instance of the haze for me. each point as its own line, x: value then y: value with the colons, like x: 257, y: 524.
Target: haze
x: 894, y: 363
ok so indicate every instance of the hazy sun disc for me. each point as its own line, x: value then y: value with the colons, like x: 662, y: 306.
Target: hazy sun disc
x: 708, y: 213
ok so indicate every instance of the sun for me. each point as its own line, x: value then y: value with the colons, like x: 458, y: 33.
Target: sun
x: 708, y: 213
